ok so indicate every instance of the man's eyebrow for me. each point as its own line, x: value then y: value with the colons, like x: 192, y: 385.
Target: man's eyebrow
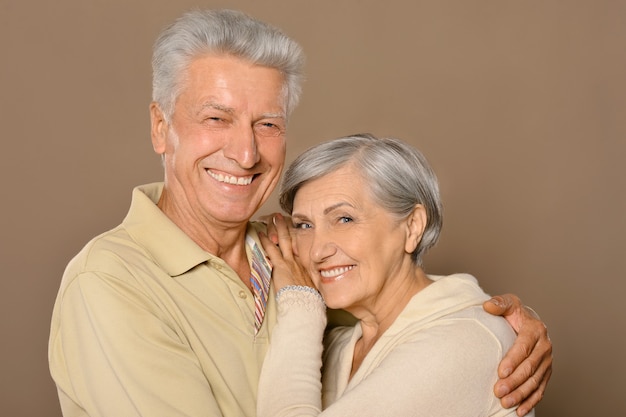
x: 274, y: 116
x: 217, y: 106
x: 229, y: 110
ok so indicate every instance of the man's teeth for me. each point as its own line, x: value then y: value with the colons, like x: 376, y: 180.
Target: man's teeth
x: 229, y: 179
x: 335, y: 272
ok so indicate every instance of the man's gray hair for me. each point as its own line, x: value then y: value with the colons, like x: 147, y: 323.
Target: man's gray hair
x: 222, y: 32
x: 398, y: 176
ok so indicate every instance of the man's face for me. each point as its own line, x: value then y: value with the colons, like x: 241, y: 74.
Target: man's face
x: 224, y: 148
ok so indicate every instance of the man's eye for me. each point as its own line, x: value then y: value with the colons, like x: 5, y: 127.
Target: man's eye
x: 267, y: 129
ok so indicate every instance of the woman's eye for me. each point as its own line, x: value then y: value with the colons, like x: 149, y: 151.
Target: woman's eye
x: 345, y: 219
x: 301, y: 225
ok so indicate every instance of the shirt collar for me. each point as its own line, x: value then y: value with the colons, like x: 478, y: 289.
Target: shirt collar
x: 165, y: 242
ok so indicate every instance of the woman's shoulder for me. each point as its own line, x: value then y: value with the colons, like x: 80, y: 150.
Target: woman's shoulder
x: 451, y: 309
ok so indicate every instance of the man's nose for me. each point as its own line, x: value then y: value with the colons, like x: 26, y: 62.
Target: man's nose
x: 241, y: 147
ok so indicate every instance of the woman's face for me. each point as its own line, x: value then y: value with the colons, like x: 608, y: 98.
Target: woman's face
x: 352, y: 247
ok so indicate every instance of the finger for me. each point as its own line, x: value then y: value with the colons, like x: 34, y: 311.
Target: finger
x: 521, y: 350
x: 529, y: 328
x: 532, y: 344
x: 528, y: 394
x: 509, y: 306
x: 496, y: 305
x: 534, y: 399
x: 527, y: 366
x: 528, y: 376
x: 268, y: 220
x: 284, y: 237
x: 272, y: 252
x: 516, y: 387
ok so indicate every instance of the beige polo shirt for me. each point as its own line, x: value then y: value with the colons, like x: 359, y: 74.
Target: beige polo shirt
x: 146, y: 323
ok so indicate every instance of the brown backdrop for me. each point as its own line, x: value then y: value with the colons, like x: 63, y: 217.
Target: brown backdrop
x: 519, y: 105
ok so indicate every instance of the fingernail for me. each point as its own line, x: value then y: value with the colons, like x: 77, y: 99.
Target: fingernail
x: 274, y: 220
x: 508, y: 402
x: 496, y: 301
x: 506, y: 372
x: 502, y: 390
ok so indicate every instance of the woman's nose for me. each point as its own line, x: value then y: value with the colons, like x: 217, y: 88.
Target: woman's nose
x: 322, y: 247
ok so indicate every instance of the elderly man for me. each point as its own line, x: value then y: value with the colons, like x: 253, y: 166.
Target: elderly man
x: 168, y: 314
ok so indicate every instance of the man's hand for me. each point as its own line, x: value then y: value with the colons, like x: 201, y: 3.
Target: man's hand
x: 526, y: 368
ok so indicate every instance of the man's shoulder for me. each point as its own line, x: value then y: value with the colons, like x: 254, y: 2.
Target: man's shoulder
x: 106, y: 253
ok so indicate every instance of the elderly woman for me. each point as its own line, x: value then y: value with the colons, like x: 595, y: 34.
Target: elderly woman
x: 364, y: 212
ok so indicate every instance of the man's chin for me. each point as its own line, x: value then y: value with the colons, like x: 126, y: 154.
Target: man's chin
x: 234, y: 215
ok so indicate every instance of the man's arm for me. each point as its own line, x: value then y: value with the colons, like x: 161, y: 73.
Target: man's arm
x: 115, y: 354
x: 525, y: 370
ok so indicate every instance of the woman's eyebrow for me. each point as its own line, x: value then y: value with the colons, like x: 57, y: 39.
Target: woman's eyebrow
x: 336, y: 206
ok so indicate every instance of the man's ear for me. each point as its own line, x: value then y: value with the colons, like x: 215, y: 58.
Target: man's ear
x: 158, y: 128
x: 415, y: 226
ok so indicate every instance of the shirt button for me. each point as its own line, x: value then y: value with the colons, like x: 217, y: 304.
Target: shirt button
x: 242, y: 294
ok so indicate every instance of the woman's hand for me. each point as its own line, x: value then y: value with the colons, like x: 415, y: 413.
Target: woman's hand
x: 279, y: 249
x: 526, y: 368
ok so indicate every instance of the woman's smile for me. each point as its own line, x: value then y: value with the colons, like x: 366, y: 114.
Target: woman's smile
x: 335, y: 273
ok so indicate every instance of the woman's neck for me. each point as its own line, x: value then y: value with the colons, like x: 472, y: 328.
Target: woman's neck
x: 377, y: 317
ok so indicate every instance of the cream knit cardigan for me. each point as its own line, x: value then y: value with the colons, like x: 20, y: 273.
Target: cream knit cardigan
x: 438, y: 359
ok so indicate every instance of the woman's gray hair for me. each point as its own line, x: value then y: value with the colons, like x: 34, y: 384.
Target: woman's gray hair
x: 398, y: 175
x: 227, y: 32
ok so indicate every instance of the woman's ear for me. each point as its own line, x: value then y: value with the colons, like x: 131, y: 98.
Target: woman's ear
x: 415, y: 226
x: 158, y: 128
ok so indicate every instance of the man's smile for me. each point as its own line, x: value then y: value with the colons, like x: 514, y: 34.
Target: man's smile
x: 231, y: 179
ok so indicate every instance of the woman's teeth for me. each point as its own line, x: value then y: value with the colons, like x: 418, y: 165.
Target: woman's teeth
x: 329, y: 273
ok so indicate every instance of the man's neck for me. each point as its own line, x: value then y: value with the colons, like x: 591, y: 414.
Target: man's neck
x: 226, y: 241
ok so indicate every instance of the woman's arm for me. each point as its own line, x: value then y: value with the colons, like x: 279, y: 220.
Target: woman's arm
x: 290, y: 383
x: 526, y: 368
x: 442, y: 371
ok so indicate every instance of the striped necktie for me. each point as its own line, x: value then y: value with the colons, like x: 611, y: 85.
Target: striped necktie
x: 260, y: 273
